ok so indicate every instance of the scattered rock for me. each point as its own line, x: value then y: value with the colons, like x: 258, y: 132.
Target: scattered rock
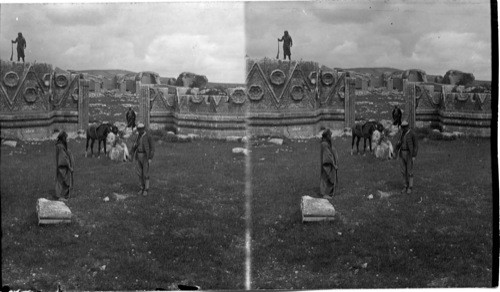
x: 106, y: 199
x: 183, y: 138
x: 384, y: 195
x: 10, y: 143
x: 276, y: 141
x: 193, y: 136
x: 245, y: 139
x: 119, y: 197
x: 370, y: 197
x: 233, y: 139
x: 240, y: 150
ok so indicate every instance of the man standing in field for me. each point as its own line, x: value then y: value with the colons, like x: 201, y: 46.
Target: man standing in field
x: 329, y: 166
x: 64, y: 168
x: 143, y: 151
x: 287, y: 44
x: 21, y: 45
x: 407, y: 148
x: 130, y: 116
x: 397, y: 114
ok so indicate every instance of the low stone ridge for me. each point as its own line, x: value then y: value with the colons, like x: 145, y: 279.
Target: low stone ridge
x: 316, y: 209
x: 52, y: 212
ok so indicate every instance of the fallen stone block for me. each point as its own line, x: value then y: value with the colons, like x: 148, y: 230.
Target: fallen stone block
x: 10, y: 143
x: 316, y: 209
x: 52, y: 212
x: 245, y: 139
x: 183, y: 138
x: 232, y: 139
x: 276, y: 141
x: 240, y: 150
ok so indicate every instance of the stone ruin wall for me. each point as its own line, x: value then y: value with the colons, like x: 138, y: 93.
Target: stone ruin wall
x: 34, y: 101
x: 439, y: 107
x: 292, y: 99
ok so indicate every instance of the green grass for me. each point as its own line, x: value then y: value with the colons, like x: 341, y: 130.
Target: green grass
x: 191, y: 228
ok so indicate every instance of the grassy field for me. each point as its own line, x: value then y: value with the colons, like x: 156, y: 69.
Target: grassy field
x: 191, y: 228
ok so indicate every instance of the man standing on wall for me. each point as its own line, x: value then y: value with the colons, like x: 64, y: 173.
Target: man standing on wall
x: 287, y: 44
x: 21, y: 45
x: 143, y: 151
x: 407, y: 148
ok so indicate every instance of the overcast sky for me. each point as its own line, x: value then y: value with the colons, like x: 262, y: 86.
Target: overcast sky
x: 434, y: 36
x: 213, y: 38
x: 167, y: 38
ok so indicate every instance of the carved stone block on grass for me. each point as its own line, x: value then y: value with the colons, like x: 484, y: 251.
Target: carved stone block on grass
x: 316, y: 209
x: 52, y: 212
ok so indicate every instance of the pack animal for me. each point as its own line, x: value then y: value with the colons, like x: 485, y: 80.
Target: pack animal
x: 364, y: 131
x: 99, y: 133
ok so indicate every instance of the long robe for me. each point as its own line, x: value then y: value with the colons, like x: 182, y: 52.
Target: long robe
x: 64, y: 177
x: 329, y: 166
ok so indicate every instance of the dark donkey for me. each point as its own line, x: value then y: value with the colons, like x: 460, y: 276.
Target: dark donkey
x: 365, y: 131
x: 99, y: 133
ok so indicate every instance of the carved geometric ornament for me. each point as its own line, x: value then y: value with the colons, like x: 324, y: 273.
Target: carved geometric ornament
x: 61, y: 81
x: 238, y: 96
x: 297, y: 93
x: 30, y: 94
x: 11, y: 79
x: 313, y: 77
x: 327, y: 78
x: 255, y: 92
x: 277, y: 77
x: 197, y: 99
x: 75, y: 94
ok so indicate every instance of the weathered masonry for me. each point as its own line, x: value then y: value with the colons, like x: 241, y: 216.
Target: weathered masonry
x: 293, y: 99
x: 34, y: 101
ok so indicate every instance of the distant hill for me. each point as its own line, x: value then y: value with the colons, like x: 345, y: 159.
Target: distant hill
x: 105, y: 73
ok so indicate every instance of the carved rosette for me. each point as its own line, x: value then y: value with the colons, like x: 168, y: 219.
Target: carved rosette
x: 255, y: 92
x: 238, y: 96
x: 277, y: 77
x: 30, y: 94
x: 61, y: 81
x: 327, y: 78
x: 197, y: 99
x: 11, y: 79
x: 297, y: 93
x: 313, y: 77
x: 75, y: 93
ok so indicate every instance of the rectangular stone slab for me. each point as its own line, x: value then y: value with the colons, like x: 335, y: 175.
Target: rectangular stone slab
x: 52, y: 212
x: 316, y: 209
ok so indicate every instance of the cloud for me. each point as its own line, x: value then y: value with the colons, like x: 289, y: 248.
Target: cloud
x: 78, y: 14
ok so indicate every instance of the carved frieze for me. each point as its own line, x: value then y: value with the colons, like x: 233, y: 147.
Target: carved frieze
x: 327, y: 78
x: 30, y: 94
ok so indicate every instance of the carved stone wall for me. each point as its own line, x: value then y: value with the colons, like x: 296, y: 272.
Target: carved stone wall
x: 292, y: 99
x: 34, y: 100
x: 469, y: 113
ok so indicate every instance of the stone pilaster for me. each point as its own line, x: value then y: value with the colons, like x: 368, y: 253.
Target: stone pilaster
x: 349, y: 100
x: 143, y: 104
x: 83, y: 104
x: 409, y: 97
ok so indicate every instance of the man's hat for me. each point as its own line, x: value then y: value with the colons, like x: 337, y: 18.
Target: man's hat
x: 140, y: 126
x: 404, y: 124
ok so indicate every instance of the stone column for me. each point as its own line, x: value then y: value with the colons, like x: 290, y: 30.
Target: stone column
x: 143, y: 91
x: 83, y: 104
x: 349, y: 99
x: 409, y: 96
